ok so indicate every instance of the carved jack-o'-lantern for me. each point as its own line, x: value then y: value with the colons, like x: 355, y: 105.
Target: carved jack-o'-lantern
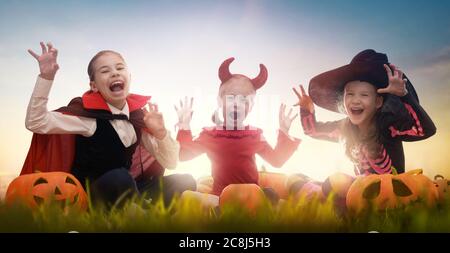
x: 390, y: 191
x: 276, y: 181
x: 443, y: 186
x: 45, y: 188
x: 248, y: 196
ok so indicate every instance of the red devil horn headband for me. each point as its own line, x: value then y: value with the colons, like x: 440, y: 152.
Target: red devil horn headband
x: 258, y: 82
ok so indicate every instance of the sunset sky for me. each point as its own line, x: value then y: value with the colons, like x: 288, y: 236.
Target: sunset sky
x: 174, y: 49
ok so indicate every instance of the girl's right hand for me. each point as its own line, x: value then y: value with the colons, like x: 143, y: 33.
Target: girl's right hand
x: 184, y: 113
x: 285, y: 120
x: 47, y: 61
x: 304, y: 101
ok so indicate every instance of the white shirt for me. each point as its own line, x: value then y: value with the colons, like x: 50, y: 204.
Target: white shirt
x: 40, y: 120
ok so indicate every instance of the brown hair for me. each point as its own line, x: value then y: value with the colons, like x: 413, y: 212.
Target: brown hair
x: 91, y: 69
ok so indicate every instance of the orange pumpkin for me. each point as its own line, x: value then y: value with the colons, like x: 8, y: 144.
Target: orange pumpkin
x: 338, y: 184
x: 248, y: 196
x: 443, y: 186
x: 276, y: 181
x: 205, y: 184
x: 295, y: 179
x: 309, y: 191
x: 389, y: 191
x: 45, y: 188
x: 303, y: 187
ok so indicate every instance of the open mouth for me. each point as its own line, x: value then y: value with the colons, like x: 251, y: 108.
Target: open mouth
x: 116, y: 86
x: 233, y: 115
x: 356, y: 111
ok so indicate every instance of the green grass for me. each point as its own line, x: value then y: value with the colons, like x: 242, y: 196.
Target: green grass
x: 190, y: 216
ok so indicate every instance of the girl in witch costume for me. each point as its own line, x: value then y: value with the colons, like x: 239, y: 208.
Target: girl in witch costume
x: 230, y: 145
x: 382, y: 107
x: 96, y: 135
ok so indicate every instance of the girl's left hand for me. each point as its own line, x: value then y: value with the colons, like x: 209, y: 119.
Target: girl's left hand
x: 397, y: 85
x: 154, y: 121
x: 285, y: 120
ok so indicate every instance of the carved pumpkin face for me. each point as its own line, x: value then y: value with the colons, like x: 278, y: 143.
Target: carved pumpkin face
x: 443, y: 187
x: 390, y: 191
x: 45, y: 188
x: 276, y: 181
x: 248, y: 196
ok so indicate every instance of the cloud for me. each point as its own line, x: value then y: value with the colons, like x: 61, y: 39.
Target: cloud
x: 433, y: 75
x: 437, y: 64
x: 442, y: 55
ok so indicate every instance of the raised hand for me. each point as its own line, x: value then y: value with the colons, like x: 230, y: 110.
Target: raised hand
x: 184, y: 113
x: 285, y: 120
x: 154, y: 121
x: 47, y: 61
x: 397, y: 85
x: 304, y: 101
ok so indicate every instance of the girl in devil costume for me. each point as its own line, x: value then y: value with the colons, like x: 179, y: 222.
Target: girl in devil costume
x: 230, y: 145
x: 382, y: 107
x: 96, y: 135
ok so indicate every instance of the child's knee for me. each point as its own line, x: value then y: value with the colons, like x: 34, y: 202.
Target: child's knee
x: 112, y: 185
x: 118, y: 179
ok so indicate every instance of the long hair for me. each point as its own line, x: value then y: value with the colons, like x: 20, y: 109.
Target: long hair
x: 353, y: 138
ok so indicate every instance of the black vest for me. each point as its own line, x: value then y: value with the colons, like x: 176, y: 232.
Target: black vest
x: 101, y: 152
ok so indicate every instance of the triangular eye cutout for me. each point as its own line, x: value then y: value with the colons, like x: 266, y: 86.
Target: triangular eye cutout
x: 372, y: 191
x: 70, y: 181
x: 41, y: 180
x: 400, y: 188
x: 57, y: 191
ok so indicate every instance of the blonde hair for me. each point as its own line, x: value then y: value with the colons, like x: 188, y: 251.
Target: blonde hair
x: 354, y: 140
